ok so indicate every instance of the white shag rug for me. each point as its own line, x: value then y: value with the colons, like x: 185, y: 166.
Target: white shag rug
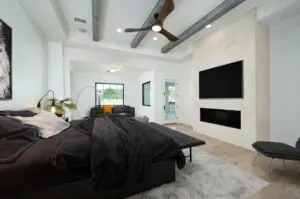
x: 207, y: 177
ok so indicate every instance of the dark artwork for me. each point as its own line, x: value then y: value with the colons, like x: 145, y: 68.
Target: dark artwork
x: 5, y: 61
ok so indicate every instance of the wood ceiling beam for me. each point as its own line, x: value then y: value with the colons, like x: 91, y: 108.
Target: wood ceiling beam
x: 212, y: 16
x: 96, y: 6
x: 150, y: 20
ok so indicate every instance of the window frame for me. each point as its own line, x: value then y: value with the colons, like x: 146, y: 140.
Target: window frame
x: 119, y: 84
x: 143, y: 97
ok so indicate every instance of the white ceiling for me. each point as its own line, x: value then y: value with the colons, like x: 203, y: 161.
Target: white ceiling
x: 41, y: 11
x: 56, y: 18
x: 278, y: 10
x: 94, y: 66
x: 132, y: 13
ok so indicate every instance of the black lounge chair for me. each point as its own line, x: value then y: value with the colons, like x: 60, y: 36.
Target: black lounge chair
x: 277, y: 150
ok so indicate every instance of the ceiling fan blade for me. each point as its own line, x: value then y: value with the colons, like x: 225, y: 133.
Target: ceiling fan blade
x: 168, y: 7
x: 138, y: 29
x: 169, y: 35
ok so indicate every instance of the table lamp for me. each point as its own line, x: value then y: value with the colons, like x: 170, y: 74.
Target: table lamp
x: 53, y: 109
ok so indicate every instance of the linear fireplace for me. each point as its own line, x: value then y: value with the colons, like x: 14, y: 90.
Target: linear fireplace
x: 227, y: 118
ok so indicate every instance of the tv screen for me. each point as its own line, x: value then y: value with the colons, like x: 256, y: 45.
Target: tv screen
x: 222, y: 82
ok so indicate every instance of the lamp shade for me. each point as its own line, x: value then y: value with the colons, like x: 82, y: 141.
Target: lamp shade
x: 53, y: 109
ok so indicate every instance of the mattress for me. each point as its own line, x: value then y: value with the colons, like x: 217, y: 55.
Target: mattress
x: 161, y: 172
x: 34, y: 170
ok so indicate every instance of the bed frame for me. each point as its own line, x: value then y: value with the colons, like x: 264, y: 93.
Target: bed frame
x: 161, y: 172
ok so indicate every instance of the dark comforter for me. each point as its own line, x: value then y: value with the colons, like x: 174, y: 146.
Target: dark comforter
x: 121, y: 151
x: 12, y: 147
x: 117, y: 151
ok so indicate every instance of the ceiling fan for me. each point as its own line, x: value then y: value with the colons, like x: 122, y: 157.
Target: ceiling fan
x: 157, y: 26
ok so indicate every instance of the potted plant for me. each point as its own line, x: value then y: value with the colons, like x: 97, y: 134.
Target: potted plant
x: 63, y: 104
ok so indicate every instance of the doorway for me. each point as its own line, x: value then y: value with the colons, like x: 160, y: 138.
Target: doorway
x: 170, y: 101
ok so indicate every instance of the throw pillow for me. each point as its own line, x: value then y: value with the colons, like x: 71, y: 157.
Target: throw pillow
x: 107, y: 109
x: 48, y: 123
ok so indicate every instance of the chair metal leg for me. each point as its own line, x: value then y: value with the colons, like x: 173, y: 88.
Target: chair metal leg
x: 283, y: 162
x: 271, y: 168
x: 255, y: 158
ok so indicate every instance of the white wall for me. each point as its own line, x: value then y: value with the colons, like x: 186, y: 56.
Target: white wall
x: 29, y: 58
x: 56, y: 69
x: 88, y: 78
x: 181, y: 75
x: 185, y: 92
x: 90, y: 60
x: 262, y: 69
x: 285, y: 81
x: 236, y: 41
x: 133, y: 80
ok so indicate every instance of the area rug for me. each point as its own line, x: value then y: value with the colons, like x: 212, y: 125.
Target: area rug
x: 207, y: 177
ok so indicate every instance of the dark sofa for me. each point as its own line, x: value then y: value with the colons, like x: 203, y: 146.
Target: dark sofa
x: 121, y: 110
x: 125, y: 110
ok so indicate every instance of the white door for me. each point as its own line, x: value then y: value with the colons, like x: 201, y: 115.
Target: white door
x: 170, y: 105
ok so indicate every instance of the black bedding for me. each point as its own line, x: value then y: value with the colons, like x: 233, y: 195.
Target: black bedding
x: 116, y: 152
x: 122, y: 150
x: 15, y: 138
x: 33, y: 169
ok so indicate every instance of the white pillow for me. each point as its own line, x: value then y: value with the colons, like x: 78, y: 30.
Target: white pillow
x: 48, y: 123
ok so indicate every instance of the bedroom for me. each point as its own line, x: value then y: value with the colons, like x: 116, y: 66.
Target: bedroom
x: 53, y: 47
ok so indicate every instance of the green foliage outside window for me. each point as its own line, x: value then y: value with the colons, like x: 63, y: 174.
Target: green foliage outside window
x: 109, y: 94
x: 113, y: 93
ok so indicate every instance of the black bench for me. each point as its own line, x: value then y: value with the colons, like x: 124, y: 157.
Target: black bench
x: 183, y: 140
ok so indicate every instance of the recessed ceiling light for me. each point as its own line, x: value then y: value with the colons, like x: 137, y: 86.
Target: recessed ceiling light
x: 155, y: 38
x: 119, y: 30
x: 111, y: 70
x: 208, y: 26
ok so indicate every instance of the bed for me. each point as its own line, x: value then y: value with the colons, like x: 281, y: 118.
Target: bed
x: 139, y: 159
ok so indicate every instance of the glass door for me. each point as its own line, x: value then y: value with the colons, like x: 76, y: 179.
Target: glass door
x: 170, y: 101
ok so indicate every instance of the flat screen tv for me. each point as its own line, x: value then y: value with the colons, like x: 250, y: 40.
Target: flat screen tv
x: 223, y: 82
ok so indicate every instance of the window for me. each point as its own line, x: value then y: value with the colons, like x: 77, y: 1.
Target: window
x: 146, y: 93
x: 109, y: 94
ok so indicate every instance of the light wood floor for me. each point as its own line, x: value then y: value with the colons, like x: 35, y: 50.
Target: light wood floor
x: 285, y: 183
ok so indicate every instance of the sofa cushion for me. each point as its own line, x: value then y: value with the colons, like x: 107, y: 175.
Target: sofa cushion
x: 107, y: 109
x: 117, y: 109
